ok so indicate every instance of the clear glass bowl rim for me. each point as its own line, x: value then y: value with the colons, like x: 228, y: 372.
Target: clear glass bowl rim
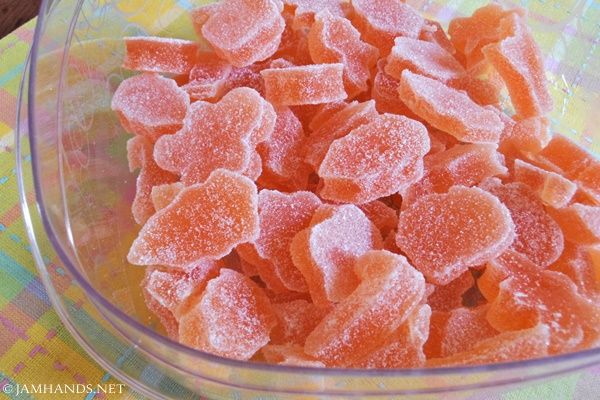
x: 98, y: 299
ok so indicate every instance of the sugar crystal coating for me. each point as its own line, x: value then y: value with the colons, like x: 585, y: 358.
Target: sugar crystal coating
x: 450, y: 296
x: 208, y: 77
x: 553, y: 189
x: 306, y: 10
x: 444, y: 234
x: 150, y: 105
x: 163, y: 195
x: 580, y: 223
x: 156, y: 54
x: 296, y: 319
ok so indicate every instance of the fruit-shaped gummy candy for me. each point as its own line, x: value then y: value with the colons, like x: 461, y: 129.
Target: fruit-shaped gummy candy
x: 507, y: 346
x: 245, y: 31
x: 445, y: 234
x: 282, y: 216
x: 519, y: 62
x: 204, y: 221
x: 334, y: 40
x: 208, y: 77
x: 380, y: 22
x: 163, y: 55
x: 389, y: 291
x: 139, y: 154
x: 220, y: 135
x: 580, y: 223
x: 232, y: 318
x: 282, y: 154
x: 465, y: 165
x: 449, y: 110
x: 538, y: 236
x: 308, y: 84
x: 404, y: 347
x: 163, y: 195
x: 340, y: 123
x: 296, y: 319
x: 374, y: 160
x: 325, y: 252
x: 150, y: 105
x: 424, y: 58
x: 450, y: 296
x: 553, y: 189
x: 529, y: 296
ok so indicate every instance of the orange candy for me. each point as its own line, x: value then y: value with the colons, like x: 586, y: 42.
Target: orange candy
x: 244, y: 31
x: 553, y: 189
x: 380, y: 22
x: 529, y: 296
x: 382, y: 216
x: 507, y: 346
x: 233, y: 318
x: 221, y: 135
x: 139, y: 154
x: 465, y: 164
x: 163, y: 195
x: 538, y: 236
x: 445, y: 234
x: 529, y: 135
x: 222, y: 212
x: 310, y: 84
x: 580, y: 223
x: 164, y: 55
x: 340, y: 124
x: 582, y: 265
x: 325, y: 252
x: 162, y: 313
x: 424, y: 58
x: 589, y: 181
x: 450, y: 296
x: 449, y: 110
x: 282, y: 154
x: 208, y: 78
x: 433, y: 32
x: 334, y: 40
x: 519, y: 62
x: 306, y: 10
x: 374, y: 160
x: 404, y: 348
x: 385, y: 93
x: 292, y: 355
x: 389, y: 291
x: 565, y: 154
x: 263, y: 267
x: 282, y: 216
x: 296, y: 319
x: 150, y: 105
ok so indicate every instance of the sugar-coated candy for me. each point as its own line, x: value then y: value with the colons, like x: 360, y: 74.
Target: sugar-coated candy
x: 281, y: 217
x: 385, y: 93
x: 150, y: 105
x: 334, y: 40
x: 163, y: 314
x: 565, y: 154
x: 221, y: 212
x: 157, y: 54
x: 207, y: 78
x: 232, y: 318
x: 588, y: 181
x: 507, y: 346
x: 296, y: 319
x: 538, y: 236
x: 324, y: 112
x: 306, y: 10
x: 465, y: 165
x: 139, y: 154
x: 457, y: 331
x: 389, y: 291
x: 374, y: 160
x: 326, y: 251
x: 309, y: 84
x: 582, y: 265
x: 289, y: 354
x: 163, y: 195
x: 245, y: 31
x: 580, y: 223
x: 424, y: 58
x: 433, y: 32
x: 340, y: 124
x: 381, y: 215
x: 519, y: 62
x: 529, y: 296
x: 529, y: 135
x: 220, y: 135
x: 404, y: 347
x: 445, y: 234
x: 263, y: 267
x: 380, y: 22
x: 553, y: 189
x: 449, y: 110
x: 470, y: 34
x: 450, y: 296
x: 282, y: 155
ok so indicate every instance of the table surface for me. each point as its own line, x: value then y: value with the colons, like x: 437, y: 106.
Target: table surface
x: 14, y: 13
x: 35, y: 348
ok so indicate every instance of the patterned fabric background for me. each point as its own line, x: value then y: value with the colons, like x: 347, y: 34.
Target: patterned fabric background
x: 34, y: 346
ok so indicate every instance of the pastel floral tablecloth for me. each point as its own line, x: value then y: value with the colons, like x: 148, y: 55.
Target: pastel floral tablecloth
x: 34, y: 346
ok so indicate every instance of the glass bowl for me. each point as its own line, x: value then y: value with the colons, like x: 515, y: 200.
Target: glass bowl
x: 76, y: 192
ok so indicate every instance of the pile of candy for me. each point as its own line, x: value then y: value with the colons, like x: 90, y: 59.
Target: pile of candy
x: 334, y: 184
